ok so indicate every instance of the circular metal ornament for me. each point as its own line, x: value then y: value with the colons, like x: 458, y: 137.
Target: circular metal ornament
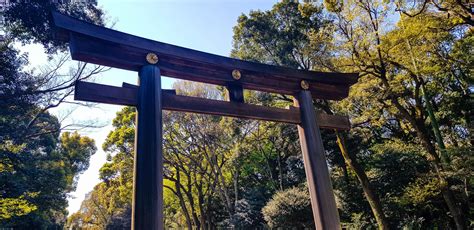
x: 152, y: 58
x: 236, y: 74
x: 304, y: 85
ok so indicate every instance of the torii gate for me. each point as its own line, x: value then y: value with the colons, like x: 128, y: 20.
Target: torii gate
x: 102, y: 46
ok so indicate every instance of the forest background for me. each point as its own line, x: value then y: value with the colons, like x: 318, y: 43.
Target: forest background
x: 406, y: 163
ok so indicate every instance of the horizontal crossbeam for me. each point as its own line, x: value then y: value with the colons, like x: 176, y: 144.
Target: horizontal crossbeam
x: 103, y: 46
x: 127, y: 95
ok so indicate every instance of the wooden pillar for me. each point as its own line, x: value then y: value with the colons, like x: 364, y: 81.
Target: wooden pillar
x: 326, y: 216
x: 147, y: 207
x: 235, y: 93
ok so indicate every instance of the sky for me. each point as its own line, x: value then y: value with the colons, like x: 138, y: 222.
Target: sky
x: 204, y: 25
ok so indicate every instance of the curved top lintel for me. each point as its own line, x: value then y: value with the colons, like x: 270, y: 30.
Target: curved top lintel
x: 100, y: 45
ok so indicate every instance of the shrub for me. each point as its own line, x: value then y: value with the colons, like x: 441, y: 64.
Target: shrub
x: 289, y: 208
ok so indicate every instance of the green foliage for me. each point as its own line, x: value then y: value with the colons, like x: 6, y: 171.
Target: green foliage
x: 32, y: 21
x: 101, y: 210
x: 388, y: 103
x: 282, y: 36
x: 289, y: 208
x: 36, y: 176
x: 458, y: 12
x: 38, y: 166
x: 334, y: 5
x: 108, y: 205
x: 77, y: 151
x: 14, y: 207
x: 406, y: 68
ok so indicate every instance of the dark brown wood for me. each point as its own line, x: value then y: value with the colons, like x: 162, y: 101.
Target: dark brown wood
x: 235, y: 93
x: 328, y: 121
x: 102, y: 53
x: 323, y: 202
x: 147, y: 206
x: 135, y: 87
x: 108, y: 47
x: 93, y: 92
x: 231, y: 109
x: 127, y: 95
x: 128, y: 85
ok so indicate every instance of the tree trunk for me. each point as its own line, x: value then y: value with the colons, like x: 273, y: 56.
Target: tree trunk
x: 453, y: 206
x: 236, y: 185
x: 458, y: 216
x: 421, y: 132
x: 280, y: 172
x: 182, y: 203
x: 372, y: 198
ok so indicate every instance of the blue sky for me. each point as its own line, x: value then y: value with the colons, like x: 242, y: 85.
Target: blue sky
x: 204, y: 25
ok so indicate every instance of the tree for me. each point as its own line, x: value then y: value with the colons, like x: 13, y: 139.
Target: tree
x: 32, y: 22
x: 285, y: 36
x: 33, y: 153
x: 298, y: 36
x: 37, y: 175
x: 460, y: 11
x: 109, y: 203
x: 210, y: 163
x: 393, y: 97
x: 38, y: 166
x: 392, y: 92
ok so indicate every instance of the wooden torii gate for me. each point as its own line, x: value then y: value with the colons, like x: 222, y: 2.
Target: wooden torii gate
x: 151, y: 59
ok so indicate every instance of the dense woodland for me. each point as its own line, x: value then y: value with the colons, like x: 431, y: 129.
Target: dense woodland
x: 406, y: 163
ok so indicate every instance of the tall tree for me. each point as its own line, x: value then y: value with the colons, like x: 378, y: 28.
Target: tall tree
x: 38, y: 165
x: 298, y: 36
x: 37, y: 173
x: 393, y: 90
